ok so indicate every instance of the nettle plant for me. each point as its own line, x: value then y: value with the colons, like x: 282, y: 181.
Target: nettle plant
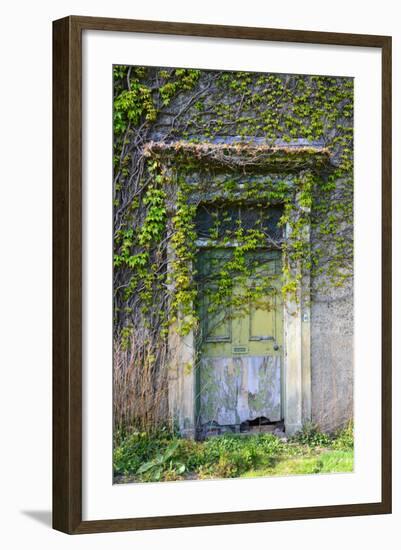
x: 168, y: 167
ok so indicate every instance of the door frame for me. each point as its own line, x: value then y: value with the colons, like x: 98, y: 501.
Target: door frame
x: 297, y: 386
x: 183, y: 376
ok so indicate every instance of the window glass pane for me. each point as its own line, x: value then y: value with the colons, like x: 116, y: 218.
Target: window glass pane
x: 216, y: 222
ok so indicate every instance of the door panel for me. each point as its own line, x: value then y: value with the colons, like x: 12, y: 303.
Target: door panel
x: 217, y: 324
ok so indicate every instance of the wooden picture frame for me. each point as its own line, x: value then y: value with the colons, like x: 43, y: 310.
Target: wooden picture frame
x: 67, y: 274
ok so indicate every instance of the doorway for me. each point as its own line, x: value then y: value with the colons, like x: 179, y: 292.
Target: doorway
x: 240, y: 342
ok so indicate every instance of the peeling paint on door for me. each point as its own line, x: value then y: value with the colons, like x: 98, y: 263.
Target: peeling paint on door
x: 236, y: 389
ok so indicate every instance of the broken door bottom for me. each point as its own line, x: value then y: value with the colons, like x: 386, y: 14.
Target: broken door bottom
x: 237, y: 391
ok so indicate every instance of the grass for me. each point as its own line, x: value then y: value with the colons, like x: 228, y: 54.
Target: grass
x: 164, y: 456
x: 325, y: 462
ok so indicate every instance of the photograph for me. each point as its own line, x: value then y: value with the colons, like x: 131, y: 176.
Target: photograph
x: 233, y: 295
x: 204, y: 357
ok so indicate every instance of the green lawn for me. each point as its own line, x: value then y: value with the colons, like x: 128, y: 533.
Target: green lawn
x: 325, y: 462
x: 163, y: 456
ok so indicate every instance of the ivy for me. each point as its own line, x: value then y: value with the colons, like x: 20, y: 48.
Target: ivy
x: 156, y: 282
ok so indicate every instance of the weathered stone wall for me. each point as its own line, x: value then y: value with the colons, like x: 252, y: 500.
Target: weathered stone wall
x: 332, y: 358
x: 184, y: 119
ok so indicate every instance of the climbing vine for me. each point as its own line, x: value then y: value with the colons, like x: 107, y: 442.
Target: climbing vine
x: 187, y: 139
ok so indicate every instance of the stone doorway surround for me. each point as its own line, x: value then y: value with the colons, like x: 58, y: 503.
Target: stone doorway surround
x: 300, y: 157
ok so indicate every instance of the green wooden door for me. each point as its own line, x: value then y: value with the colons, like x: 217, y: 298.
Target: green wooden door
x: 240, y: 345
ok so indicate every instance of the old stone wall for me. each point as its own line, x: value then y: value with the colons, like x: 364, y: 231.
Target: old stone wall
x: 242, y: 108
x: 332, y: 358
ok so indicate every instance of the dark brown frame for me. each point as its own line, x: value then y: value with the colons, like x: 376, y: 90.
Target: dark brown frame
x: 67, y: 261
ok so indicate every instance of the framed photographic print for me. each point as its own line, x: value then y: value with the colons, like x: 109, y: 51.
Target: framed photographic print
x: 222, y: 274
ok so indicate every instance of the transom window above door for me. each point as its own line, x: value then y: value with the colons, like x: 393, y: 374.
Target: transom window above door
x: 219, y: 222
